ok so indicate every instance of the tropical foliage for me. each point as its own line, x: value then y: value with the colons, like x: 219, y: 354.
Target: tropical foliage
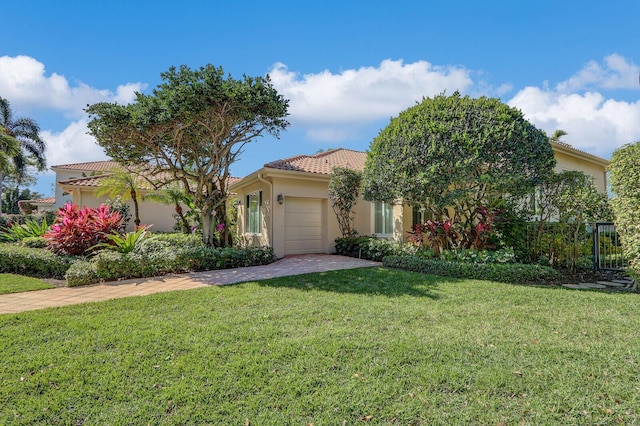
x: 24, y: 146
x: 76, y: 229
x: 125, y: 243
x: 122, y: 183
x: 625, y: 184
x: 19, y: 232
x: 174, y: 195
x: 456, y: 156
x: 344, y: 187
x: 193, y: 126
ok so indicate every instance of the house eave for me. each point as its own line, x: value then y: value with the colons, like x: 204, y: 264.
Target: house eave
x: 579, y: 154
x: 268, y: 172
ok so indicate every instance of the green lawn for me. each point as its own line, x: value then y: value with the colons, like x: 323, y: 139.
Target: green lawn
x: 346, y: 347
x: 10, y: 283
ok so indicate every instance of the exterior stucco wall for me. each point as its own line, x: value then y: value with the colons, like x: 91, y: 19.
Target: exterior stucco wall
x: 63, y: 198
x: 573, y: 163
x: 273, y: 213
x: 263, y: 238
x: 160, y: 216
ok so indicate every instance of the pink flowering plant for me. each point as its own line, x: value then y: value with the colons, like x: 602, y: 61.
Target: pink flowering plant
x: 76, y: 229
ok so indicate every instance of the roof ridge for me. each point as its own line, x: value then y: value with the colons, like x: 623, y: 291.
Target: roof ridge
x: 86, y: 162
x: 285, y: 160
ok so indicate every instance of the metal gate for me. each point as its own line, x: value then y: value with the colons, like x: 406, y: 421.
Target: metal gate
x: 607, y: 249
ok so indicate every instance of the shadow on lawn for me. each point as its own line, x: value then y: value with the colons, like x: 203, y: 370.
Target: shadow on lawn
x: 375, y: 281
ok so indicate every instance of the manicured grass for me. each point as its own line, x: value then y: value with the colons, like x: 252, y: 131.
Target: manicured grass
x: 11, y: 283
x: 372, y: 345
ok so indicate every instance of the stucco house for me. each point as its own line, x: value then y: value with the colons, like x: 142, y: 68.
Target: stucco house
x: 285, y: 204
x: 78, y: 183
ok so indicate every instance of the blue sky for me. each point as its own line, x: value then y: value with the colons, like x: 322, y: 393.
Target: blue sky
x: 346, y: 66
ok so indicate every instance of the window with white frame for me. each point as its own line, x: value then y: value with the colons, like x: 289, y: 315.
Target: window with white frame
x: 254, y: 220
x: 383, y: 218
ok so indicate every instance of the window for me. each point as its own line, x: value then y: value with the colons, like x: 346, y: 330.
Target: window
x: 419, y: 214
x: 383, y: 219
x: 254, y: 220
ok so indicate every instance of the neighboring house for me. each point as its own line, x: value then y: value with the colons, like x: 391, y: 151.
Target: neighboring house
x: 78, y: 183
x: 570, y: 158
x: 286, y: 204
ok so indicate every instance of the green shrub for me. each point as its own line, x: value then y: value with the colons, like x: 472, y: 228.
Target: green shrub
x: 507, y: 272
x: 479, y: 256
x: 159, y: 257
x: 113, y: 265
x: 6, y: 220
x: 372, y: 248
x: 33, y: 262
x: 81, y: 272
x: 180, y: 239
x: 33, y: 242
x: 208, y: 258
x: 625, y: 183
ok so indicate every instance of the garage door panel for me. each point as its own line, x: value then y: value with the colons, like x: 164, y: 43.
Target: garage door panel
x: 303, y: 225
x: 303, y: 220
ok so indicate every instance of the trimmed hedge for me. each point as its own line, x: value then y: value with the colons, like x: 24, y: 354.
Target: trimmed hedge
x: 160, y: 257
x: 33, y: 262
x: 6, y: 220
x: 371, y: 248
x: 509, y: 272
x: 180, y: 240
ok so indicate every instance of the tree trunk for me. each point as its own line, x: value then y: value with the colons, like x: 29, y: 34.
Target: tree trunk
x: 183, y: 220
x: 208, y: 228
x: 225, y: 237
x: 136, y: 210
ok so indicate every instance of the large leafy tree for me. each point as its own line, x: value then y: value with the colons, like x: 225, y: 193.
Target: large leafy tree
x: 25, y: 147
x: 454, y: 155
x: 193, y: 126
x: 625, y: 184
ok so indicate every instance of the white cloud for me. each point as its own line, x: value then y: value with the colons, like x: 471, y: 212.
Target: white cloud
x: 72, y: 145
x: 24, y: 83
x: 615, y: 73
x: 365, y: 94
x: 593, y: 123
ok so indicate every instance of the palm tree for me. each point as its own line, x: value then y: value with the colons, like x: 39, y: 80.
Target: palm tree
x: 176, y: 196
x: 25, y: 132
x: 124, y: 183
x: 9, y: 147
x: 559, y: 133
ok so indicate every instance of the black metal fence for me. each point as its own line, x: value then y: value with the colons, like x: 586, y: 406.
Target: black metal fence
x: 607, y: 249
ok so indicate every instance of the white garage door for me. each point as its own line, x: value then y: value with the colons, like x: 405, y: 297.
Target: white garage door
x: 303, y: 226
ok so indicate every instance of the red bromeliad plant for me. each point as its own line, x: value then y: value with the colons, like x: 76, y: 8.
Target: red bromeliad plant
x: 76, y: 230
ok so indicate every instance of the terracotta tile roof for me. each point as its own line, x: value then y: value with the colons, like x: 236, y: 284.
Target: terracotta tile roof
x: 49, y: 200
x: 93, y: 166
x: 94, y: 182
x: 232, y: 180
x: 91, y: 181
x: 323, y: 162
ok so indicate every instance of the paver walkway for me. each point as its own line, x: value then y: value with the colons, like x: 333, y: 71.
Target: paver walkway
x: 294, y: 265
